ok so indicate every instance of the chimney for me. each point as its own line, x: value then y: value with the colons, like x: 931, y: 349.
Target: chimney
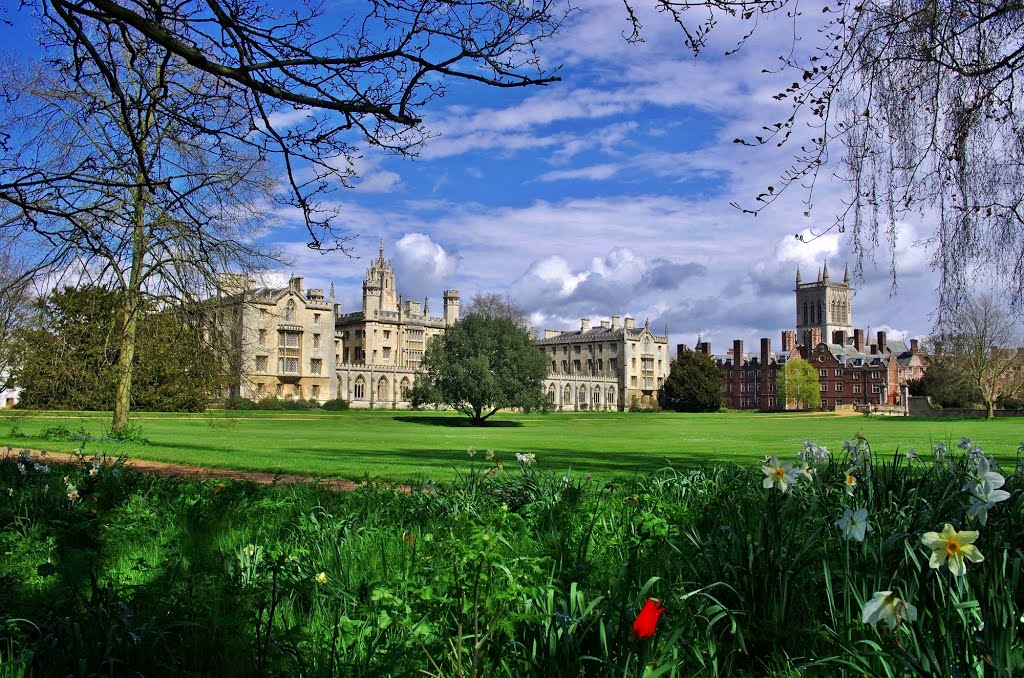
x: 839, y: 337
x: 704, y: 347
x: 604, y: 324
x: 737, y: 352
x: 615, y: 322
x: 858, y: 340
x: 914, y: 345
x: 874, y: 349
x: 815, y: 338
x: 788, y: 340
x: 766, y: 352
x: 882, y: 347
x: 629, y: 323
x: 551, y: 333
x: 296, y: 283
x: 337, y: 310
x: 584, y: 324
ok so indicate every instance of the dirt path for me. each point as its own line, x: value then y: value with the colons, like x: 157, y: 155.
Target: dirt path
x: 203, y: 473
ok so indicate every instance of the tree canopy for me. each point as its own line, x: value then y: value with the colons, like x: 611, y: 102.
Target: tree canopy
x: 479, y: 366
x: 493, y: 305
x: 916, y: 105
x: 798, y: 383
x: 694, y: 384
x: 65, y: 356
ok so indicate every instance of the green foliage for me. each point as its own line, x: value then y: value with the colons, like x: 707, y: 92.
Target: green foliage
x: 694, y: 384
x: 67, y: 359
x: 508, y: 571
x: 335, y: 405
x: 946, y: 386
x: 479, y: 366
x: 798, y: 383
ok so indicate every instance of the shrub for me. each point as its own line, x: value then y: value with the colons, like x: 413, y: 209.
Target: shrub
x: 240, y: 403
x: 270, y: 404
x: 336, y: 405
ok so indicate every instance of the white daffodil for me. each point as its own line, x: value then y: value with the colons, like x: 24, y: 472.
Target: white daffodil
x: 802, y: 470
x: 526, y: 458
x: 951, y: 547
x: 884, y: 606
x: 985, y: 497
x: 912, y: 455
x: 854, y: 524
x: 778, y: 474
x: 471, y: 451
x: 940, y: 453
x: 982, y: 474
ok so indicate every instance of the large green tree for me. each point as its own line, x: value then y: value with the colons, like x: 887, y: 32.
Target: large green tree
x: 694, y: 384
x: 798, y: 383
x: 67, y: 358
x: 479, y: 366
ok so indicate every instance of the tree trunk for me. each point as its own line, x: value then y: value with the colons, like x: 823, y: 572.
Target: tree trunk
x: 130, y: 309
x: 990, y: 408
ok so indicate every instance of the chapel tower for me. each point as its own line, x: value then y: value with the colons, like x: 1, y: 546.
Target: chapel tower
x: 823, y: 309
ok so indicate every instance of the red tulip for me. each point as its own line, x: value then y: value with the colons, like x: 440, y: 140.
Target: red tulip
x: 647, y: 621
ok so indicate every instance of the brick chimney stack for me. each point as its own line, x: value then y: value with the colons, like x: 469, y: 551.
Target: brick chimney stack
x: 766, y: 353
x: 858, y: 340
x: 789, y: 340
x: 883, y: 348
x: 737, y: 352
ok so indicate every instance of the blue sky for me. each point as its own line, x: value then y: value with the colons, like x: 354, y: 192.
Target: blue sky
x: 609, y: 193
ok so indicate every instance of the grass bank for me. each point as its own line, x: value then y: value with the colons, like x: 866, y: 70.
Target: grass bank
x: 399, y: 446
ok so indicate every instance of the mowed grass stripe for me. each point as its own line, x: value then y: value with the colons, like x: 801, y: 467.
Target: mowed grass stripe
x: 399, y: 446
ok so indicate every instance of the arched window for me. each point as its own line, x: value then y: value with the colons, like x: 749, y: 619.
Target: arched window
x: 551, y: 394
x: 382, y: 389
x: 597, y: 396
x: 359, y: 388
x: 611, y: 396
x: 566, y: 395
x: 404, y: 388
x: 583, y: 395
x: 289, y: 311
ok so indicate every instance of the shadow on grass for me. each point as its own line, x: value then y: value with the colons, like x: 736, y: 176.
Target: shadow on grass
x: 458, y: 422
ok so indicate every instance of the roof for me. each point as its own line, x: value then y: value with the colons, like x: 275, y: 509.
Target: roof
x: 598, y: 334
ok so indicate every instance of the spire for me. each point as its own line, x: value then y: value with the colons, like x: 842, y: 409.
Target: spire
x: 426, y: 306
x: 819, y: 274
x: 380, y: 255
x: 798, y: 274
x: 824, y: 276
x: 846, y: 274
x: 332, y: 289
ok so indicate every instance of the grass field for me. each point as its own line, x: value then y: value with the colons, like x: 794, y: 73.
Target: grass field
x: 399, y: 446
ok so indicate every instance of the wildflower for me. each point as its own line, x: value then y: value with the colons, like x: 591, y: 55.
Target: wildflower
x: 21, y: 468
x: 471, y: 451
x: 46, y: 488
x: 964, y: 444
x: 10, y: 491
x: 41, y: 468
x: 489, y: 455
x: 72, y: 493
x: 951, y: 547
x: 912, y: 455
x: 526, y: 458
x: 93, y: 471
x: 985, y: 497
x: 504, y: 507
x: 854, y: 524
x: 884, y: 606
x: 321, y: 578
x: 814, y: 453
x: 851, y: 482
x: 250, y: 550
x: 566, y: 481
x: 778, y: 474
x: 940, y: 453
x: 804, y: 470
x: 983, y: 474
x: 218, y: 487
x: 647, y: 621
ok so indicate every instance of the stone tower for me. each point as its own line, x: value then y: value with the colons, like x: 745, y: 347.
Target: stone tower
x: 451, y: 307
x: 823, y: 308
x: 379, y: 286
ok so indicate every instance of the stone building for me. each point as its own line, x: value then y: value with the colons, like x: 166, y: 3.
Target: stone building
x: 381, y: 346
x: 607, y: 367
x: 284, y: 341
x: 823, y: 308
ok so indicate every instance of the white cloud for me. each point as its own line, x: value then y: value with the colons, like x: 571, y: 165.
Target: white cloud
x: 422, y: 266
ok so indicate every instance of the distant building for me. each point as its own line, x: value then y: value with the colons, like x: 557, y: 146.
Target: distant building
x: 850, y: 371
x: 8, y: 396
x: 607, y: 367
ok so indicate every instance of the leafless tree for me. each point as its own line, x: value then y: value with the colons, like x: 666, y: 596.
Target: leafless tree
x: 133, y: 176
x: 362, y: 73
x: 15, y: 310
x: 984, y: 346
x: 492, y: 305
x: 921, y: 100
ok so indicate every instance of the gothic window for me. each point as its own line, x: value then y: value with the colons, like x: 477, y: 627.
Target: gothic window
x: 382, y: 389
x: 583, y: 395
x: 567, y: 395
x: 611, y: 395
x: 551, y: 394
x: 359, y: 388
x: 597, y: 395
x: 289, y: 311
x: 821, y: 312
x: 806, y: 321
x: 404, y: 388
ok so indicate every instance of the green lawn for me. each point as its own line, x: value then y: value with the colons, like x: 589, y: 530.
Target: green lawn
x: 400, y: 446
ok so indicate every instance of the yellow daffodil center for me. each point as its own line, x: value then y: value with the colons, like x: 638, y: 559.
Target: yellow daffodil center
x: 778, y: 474
x: 850, y: 480
x: 952, y: 548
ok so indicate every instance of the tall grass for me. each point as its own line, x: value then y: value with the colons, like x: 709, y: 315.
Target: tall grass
x: 511, y: 570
